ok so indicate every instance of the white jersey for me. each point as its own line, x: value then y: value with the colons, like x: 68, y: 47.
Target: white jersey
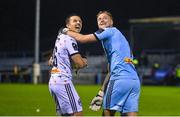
x: 60, y: 85
x: 65, y: 46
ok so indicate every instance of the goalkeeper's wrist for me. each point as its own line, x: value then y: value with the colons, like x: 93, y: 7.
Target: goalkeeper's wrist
x: 100, y: 93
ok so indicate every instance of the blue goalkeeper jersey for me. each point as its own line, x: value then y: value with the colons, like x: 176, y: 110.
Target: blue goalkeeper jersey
x: 118, y: 53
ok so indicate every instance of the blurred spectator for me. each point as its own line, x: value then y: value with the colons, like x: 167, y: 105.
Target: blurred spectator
x: 177, y: 74
x: 27, y: 74
x: 15, y: 76
x: 143, y: 60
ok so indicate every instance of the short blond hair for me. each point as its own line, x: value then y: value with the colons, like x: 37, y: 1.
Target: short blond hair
x: 106, y: 12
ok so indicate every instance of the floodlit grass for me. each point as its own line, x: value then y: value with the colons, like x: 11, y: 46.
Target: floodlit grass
x: 23, y: 99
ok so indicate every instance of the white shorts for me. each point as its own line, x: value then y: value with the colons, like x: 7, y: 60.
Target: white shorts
x: 65, y: 96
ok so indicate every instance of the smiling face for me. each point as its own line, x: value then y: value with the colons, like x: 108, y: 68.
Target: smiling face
x: 104, y: 20
x: 74, y: 23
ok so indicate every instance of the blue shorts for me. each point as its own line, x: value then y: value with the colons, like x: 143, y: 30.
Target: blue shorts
x: 122, y: 95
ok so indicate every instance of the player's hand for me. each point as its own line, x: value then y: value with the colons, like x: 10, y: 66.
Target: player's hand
x: 97, y: 101
x: 63, y: 30
x: 50, y: 62
x: 85, y: 62
x: 83, y: 56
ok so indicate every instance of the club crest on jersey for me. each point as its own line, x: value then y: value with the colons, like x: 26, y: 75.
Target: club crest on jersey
x: 74, y: 45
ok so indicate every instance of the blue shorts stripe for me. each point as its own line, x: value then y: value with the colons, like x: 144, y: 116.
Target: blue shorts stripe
x: 71, y: 97
x: 109, y: 93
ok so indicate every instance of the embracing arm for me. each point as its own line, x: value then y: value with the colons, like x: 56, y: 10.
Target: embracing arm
x: 82, y: 38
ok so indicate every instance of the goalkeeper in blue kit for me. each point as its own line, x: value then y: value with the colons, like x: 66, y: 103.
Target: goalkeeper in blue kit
x: 123, y: 84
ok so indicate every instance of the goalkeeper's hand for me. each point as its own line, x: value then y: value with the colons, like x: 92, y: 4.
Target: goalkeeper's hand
x: 63, y: 30
x: 97, y: 101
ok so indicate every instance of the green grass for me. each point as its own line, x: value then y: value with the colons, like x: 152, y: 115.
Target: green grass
x: 23, y: 99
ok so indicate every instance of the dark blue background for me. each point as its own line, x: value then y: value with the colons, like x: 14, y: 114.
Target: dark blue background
x: 17, y: 19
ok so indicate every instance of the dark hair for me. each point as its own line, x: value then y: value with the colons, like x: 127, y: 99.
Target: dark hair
x: 69, y: 16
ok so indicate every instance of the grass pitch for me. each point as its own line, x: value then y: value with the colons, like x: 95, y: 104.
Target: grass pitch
x: 32, y: 100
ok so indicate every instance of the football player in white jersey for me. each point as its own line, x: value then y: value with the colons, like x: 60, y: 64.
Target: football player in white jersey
x: 67, y: 101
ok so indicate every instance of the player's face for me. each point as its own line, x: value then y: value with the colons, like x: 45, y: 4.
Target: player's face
x: 104, y: 21
x: 75, y: 24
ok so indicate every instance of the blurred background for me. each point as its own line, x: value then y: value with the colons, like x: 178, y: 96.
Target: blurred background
x: 151, y: 27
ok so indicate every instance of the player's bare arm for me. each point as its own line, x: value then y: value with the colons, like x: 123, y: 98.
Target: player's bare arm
x: 82, y: 38
x: 50, y: 61
x: 79, y: 61
x: 106, y: 80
